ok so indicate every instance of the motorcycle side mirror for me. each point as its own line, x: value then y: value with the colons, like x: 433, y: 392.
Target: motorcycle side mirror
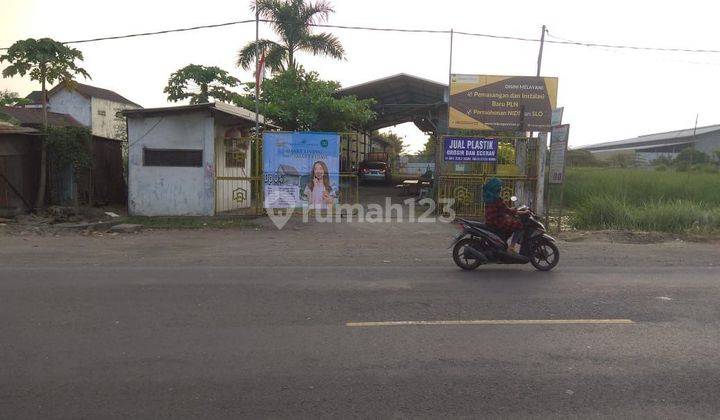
x: 513, y: 199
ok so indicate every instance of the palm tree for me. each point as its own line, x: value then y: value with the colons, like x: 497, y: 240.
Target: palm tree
x: 291, y: 20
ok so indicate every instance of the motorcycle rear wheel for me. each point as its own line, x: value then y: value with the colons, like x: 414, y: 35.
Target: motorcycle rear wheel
x: 462, y: 260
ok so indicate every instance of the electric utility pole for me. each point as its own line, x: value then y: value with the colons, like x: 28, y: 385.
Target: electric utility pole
x: 542, y: 42
x: 540, y: 207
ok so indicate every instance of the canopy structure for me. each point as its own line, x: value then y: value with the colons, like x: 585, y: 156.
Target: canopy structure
x: 404, y: 98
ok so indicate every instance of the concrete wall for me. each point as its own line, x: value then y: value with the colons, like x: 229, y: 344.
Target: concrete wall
x: 72, y: 103
x: 104, y: 121
x: 171, y: 191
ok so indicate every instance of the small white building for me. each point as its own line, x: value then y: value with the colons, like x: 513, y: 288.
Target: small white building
x: 177, y: 154
x: 95, y: 108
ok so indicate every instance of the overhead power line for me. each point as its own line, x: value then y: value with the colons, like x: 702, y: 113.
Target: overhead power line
x: 167, y: 31
x: 563, y: 41
x: 555, y: 40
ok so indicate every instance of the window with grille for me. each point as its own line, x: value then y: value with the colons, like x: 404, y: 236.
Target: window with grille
x: 172, y: 157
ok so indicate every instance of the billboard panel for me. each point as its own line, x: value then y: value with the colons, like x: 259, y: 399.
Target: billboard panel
x: 502, y: 103
x: 301, y: 170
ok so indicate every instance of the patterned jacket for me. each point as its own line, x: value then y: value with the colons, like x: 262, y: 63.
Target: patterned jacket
x: 501, y: 217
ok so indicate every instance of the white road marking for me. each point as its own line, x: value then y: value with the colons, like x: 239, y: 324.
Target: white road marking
x: 491, y: 322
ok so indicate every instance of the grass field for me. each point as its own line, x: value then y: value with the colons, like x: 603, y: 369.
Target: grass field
x: 665, y: 201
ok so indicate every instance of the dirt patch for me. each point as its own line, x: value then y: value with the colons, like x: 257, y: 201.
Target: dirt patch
x: 633, y: 237
x: 616, y: 236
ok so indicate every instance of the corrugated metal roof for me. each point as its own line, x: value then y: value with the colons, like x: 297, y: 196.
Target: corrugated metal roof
x: 34, y: 117
x: 16, y: 129
x: 227, y: 109
x: 35, y: 97
x: 651, y: 146
x: 400, y: 98
x: 666, y: 138
x: 93, y: 92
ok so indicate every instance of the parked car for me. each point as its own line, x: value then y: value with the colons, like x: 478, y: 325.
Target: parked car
x: 374, y: 171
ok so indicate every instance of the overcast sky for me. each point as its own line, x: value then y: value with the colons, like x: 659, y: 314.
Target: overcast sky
x: 607, y: 94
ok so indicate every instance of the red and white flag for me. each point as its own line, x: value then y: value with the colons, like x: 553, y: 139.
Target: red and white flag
x: 260, y: 71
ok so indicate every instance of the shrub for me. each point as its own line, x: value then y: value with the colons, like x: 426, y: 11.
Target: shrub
x: 70, y: 146
x: 663, y: 160
x: 661, y: 168
x: 622, y: 160
x: 672, y: 216
x: 692, y: 156
x: 631, y: 199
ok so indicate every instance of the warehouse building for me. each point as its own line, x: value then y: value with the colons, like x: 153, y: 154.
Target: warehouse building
x: 650, y: 147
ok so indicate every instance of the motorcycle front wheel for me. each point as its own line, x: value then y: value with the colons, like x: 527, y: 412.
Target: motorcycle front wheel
x: 544, y: 255
x: 464, y: 260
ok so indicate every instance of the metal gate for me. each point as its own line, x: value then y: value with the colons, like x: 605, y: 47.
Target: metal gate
x: 461, y: 183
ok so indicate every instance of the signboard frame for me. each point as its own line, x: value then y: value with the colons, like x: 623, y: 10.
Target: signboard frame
x: 474, y: 149
x: 289, y: 161
x: 559, y: 138
x: 501, y: 103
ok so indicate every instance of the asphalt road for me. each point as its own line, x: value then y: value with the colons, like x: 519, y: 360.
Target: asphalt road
x: 252, y: 324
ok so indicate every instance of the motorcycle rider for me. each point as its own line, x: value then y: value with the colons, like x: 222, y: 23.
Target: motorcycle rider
x: 499, y: 216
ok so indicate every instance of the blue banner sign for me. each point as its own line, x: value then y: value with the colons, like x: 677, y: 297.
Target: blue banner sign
x: 301, y: 170
x: 470, y: 149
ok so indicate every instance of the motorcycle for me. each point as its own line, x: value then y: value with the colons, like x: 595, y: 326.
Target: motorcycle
x: 478, y: 244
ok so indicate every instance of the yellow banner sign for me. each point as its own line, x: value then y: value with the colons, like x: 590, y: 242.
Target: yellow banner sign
x: 502, y: 103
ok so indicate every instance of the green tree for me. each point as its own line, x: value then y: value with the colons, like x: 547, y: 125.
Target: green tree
x: 291, y: 20
x: 45, y: 61
x: 583, y: 158
x: 428, y: 151
x: 506, y: 153
x: 199, y: 84
x: 8, y: 98
x: 397, y: 143
x: 296, y: 100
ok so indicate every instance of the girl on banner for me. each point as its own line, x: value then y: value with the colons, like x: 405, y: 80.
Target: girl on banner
x: 319, y: 192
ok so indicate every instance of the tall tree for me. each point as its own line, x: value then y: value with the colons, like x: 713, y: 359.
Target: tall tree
x: 46, y: 61
x: 8, y: 98
x: 397, y: 143
x: 209, y: 82
x: 292, y: 21
x: 428, y: 151
x: 296, y: 100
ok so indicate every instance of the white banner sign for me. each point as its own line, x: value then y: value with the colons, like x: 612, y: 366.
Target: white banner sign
x: 558, y: 146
